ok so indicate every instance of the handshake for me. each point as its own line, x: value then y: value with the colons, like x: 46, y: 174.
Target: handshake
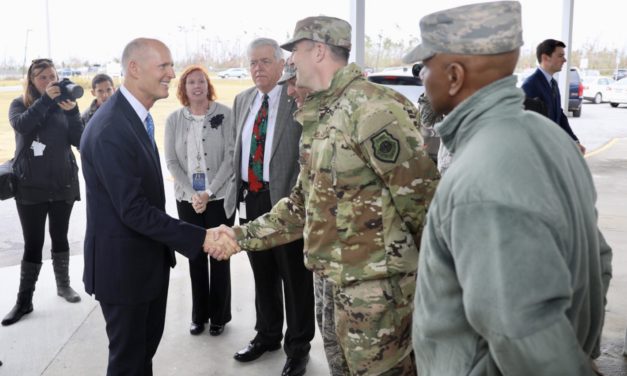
x: 220, y: 243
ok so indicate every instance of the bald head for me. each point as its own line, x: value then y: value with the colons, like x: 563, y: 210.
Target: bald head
x: 148, y: 69
x: 137, y: 50
x: 449, y: 78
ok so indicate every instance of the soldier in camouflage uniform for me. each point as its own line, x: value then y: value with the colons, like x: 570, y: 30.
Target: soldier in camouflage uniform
x: 323, y: 288
x: 359, y: 202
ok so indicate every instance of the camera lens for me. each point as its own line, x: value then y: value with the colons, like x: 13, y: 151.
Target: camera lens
x: 76, y: 91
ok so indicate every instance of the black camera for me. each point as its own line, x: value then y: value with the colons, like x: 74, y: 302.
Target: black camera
x: 69, y: 91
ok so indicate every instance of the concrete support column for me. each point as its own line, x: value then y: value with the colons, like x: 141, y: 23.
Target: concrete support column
x: 567, y: 37
x: 358, y: 23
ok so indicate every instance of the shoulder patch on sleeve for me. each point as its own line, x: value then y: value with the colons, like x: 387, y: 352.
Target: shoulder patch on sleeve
x: 385, y: 147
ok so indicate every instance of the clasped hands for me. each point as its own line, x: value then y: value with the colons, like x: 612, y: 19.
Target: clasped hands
x: 199, y: 202
x: 220, y: 243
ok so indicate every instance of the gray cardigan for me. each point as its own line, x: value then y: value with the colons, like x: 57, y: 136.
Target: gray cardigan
x: 217, y: 136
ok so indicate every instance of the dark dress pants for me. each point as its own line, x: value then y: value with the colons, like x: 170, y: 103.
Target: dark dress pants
x: 134, y: 333
x: 277, y: 271
x: 211, y: 289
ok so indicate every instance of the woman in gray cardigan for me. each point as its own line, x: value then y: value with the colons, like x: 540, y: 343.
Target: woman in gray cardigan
x: 197, y: 141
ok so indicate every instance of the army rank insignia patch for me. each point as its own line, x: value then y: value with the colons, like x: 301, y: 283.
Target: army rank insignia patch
x: 386, y: 148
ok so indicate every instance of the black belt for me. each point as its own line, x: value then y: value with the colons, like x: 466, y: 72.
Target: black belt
x: 264, y: 186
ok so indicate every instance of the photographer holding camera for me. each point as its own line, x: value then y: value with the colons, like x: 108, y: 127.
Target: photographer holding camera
x: 46, y: 121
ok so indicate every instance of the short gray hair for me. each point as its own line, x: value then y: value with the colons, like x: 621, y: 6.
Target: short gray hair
x: 260, y: 42
x: 131, y: 50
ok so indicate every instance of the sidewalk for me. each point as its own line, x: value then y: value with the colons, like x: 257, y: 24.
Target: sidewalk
x: 64, y: 339
x: 609, y: 170
x: 60, y: 338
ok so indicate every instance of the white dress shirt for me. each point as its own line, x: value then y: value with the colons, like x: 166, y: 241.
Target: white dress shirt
x: 273, y: 107
x: 139, y: 108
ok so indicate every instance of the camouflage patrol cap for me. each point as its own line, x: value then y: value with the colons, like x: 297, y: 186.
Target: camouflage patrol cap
x: 475, y: 29
x: 329, y: 30
x: 289, y: 72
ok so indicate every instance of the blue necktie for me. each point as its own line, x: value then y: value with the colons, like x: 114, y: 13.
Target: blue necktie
x: 150, y: 127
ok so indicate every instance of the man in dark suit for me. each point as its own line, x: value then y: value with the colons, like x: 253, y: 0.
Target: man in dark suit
x: 129, y: 240
x: 542, y: 85
x: 263, y: 117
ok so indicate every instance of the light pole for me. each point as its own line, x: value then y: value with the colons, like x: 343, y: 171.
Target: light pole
x: 615, y: 75
x: 48, y: 29
x: 25, y: 51
x: 376, y: 64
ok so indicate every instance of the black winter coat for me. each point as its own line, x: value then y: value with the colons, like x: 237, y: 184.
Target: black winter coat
x: 54, y: 175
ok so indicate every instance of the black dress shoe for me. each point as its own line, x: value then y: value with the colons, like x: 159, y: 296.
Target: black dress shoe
x: 295, y: 366
x: 195, y: 329
x: 254, y: 350
x: 216, y: 330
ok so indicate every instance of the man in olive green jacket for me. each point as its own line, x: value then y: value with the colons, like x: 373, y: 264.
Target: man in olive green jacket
x: 513, y: 270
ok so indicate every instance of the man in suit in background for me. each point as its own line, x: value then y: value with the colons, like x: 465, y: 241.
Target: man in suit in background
x: 265, y: 172
x: 542, y: 85
x: 130, y: 239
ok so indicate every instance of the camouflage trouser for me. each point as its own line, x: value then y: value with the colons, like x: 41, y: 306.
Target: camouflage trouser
x: 325, y: 301
x: 373, y: 325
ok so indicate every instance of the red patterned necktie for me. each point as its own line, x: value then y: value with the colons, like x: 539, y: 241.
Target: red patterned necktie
x: 257, y: 147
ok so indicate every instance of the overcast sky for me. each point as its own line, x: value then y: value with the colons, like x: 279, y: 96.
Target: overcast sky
x: 98, y: 30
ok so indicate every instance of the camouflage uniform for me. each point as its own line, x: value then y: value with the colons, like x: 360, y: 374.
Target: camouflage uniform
x: 360, y: 203
x: 324, y: 292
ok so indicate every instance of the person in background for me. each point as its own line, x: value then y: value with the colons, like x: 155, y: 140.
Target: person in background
x: 513, y: 270
x: 197, y: 141
x: 428, y: 119
x: 47, y: 184
x: 266, y: 166
x: 542, y: 86
x: 102, y: 88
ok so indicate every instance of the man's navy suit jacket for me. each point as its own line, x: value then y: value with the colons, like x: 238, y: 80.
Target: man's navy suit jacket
x: 129, y: 240
x: 536, y: 86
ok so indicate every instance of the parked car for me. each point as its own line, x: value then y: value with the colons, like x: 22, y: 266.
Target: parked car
x: 589, y: 72
x: 595, y: 88
x: 618, y: 93
x: 233, y: 72
x: 619, y: 73
x: 575, y: 92
x: 68, y: 72
x: 400, y: 79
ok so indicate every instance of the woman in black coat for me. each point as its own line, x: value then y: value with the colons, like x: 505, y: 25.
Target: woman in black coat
x: 47, y: 179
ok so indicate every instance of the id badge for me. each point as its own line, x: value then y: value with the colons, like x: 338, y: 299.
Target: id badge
x: 242, y: 205
x: 198, y: 181
x: 38, y: 148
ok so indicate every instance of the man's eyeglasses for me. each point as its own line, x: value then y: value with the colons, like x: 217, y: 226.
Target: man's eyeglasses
x: 263, y: 62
